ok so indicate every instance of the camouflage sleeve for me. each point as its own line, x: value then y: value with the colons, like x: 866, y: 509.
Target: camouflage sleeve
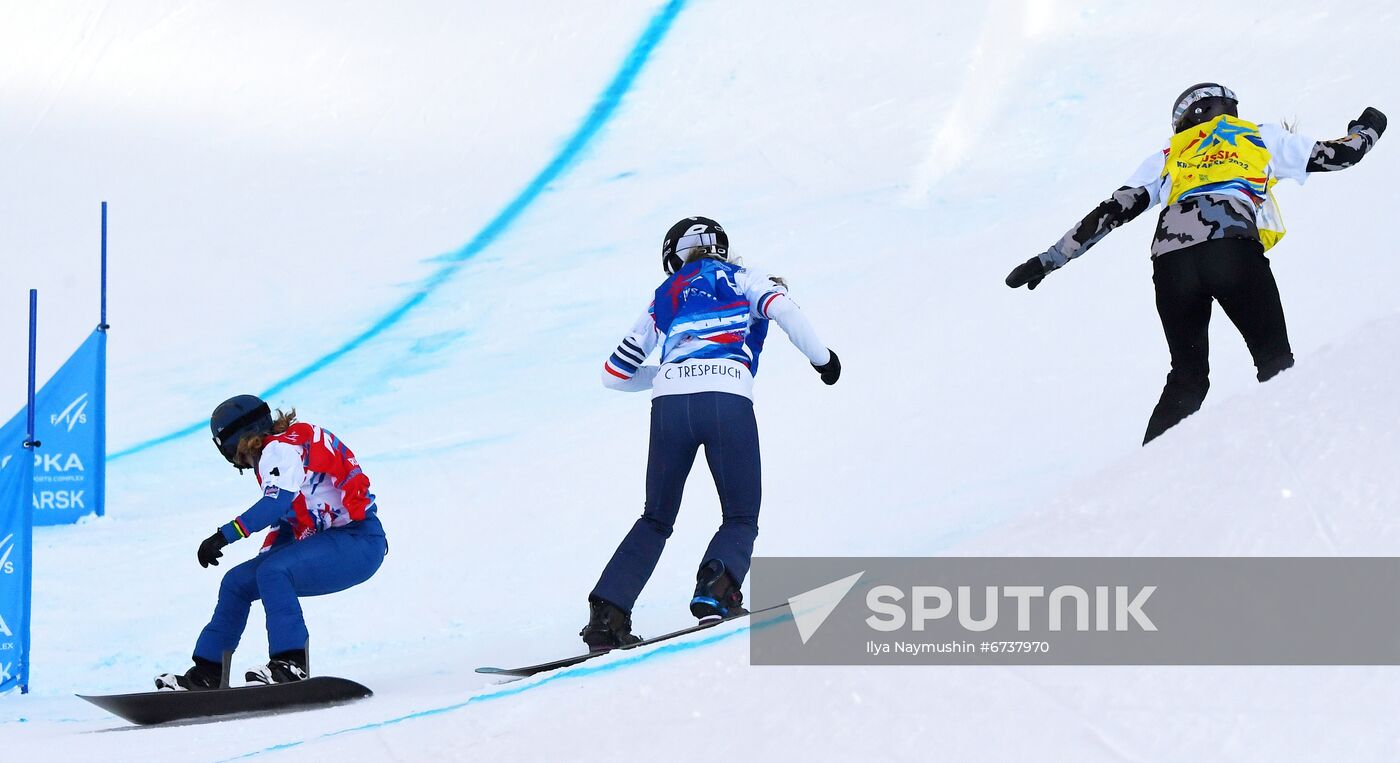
x: 1339, y: 154
x: 1125, y: 204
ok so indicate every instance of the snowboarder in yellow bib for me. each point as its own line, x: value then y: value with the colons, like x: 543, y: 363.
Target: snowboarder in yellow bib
x: 1225, y: 155
x: 1215, y: 178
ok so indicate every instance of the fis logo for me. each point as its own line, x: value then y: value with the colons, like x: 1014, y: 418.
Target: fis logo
x: 4, y: 631
x: 7, y: 547
x: 73, y: 415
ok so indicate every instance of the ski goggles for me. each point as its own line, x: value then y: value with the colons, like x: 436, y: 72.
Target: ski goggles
x: 709, y: 242
x: 1198, y: 95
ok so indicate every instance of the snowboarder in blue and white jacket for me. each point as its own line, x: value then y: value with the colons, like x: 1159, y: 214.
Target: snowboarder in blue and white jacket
x: 710, y: 318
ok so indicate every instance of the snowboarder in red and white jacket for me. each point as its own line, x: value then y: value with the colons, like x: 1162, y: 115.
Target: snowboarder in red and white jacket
x: 325, y: 537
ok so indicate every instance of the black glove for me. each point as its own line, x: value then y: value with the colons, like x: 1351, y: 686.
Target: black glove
x: 1372, y: 118
x: 1031, y: 272
x: 830, y: 370
x: 209, y: 550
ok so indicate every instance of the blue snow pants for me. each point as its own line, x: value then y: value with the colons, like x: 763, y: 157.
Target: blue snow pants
x: 327, y: 562
x: 680, y: 424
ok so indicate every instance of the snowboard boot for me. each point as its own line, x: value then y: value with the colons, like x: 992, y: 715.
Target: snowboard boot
x: 205, y: 674
x: 717, y: 597
x: 283, y: 667
x: 609, y: 626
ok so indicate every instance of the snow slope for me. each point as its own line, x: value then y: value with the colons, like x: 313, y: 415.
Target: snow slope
x: 426, y: 227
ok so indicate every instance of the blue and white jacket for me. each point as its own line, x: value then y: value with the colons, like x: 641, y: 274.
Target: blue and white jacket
x: 710, y: 319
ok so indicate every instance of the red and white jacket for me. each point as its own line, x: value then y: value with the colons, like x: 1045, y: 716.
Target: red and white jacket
x: 328, y: 487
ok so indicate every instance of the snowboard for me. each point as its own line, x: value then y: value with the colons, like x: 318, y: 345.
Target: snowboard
x: 544, y: 667
x: 150, y: 707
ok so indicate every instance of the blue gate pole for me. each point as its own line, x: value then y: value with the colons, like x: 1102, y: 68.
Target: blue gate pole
x: 102, y: 326
x: 99, y: 470
x: 30, y: 444
x: 29, y: 441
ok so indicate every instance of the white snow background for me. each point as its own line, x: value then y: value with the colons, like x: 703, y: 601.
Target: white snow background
x: 283, y: 176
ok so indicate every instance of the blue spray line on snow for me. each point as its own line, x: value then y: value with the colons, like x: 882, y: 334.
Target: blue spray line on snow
x: 602, y: 111
x: 563, y: 675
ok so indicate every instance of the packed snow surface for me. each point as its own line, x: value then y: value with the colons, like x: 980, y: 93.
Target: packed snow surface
x: 426, y: 225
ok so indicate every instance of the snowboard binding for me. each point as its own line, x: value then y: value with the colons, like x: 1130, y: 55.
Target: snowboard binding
x: 205, y: 674
x: 283, y: 668
x: 609, y: 626
x: 717, y: 596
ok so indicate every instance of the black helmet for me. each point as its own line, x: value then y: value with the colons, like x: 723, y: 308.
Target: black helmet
x: 1202, y: 103
x: 236, y: 417
x: 690, y: 234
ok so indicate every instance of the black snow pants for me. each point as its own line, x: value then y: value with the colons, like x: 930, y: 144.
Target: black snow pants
x: 1235, y: 273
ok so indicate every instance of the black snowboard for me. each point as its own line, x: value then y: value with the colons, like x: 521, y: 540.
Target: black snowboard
x: 146, y: 708
x: 530, y: 670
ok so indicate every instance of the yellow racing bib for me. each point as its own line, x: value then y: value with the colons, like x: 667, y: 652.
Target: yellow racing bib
x: 1226, y: 156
